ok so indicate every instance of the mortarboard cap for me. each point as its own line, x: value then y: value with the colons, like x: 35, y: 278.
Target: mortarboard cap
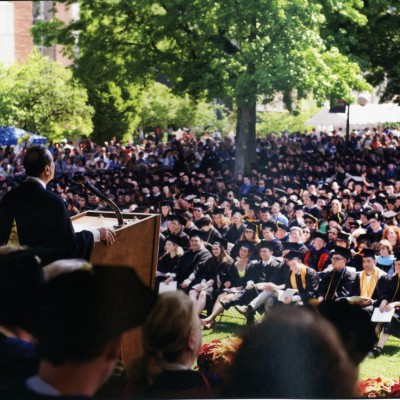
x: 83, y: 307
x: 366, y: 252
x: 180, y: 241
x: 294, y: 254
x: 342, y: 251
x: 318, y: 234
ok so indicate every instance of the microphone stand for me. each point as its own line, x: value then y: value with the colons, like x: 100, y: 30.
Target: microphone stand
x: 81, y: 180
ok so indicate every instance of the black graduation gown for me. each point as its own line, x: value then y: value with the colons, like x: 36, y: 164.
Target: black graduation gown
x: 190, y: 262
x: 339, y: 283
x: 312, y: 284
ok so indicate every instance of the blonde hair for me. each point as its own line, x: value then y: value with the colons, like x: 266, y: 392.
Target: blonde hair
x: 387, y: 244
x: 165, y: 336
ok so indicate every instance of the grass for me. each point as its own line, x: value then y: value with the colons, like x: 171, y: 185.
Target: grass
x: 386, y: 366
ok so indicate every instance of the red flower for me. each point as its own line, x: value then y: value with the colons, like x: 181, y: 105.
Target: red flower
x: 216, y: 356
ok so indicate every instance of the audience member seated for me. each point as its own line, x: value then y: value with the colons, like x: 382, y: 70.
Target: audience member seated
x: 171, y: 338
x: 292, y: 354
x: 78, y: 319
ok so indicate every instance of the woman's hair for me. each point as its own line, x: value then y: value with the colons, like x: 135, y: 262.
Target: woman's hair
x: 224, y: 256
x: 396, y: 229
x: 224, y: 221
x: 292, y: 354
x: 386, y: 243
x: 165, y: 336
x: 178, y: 249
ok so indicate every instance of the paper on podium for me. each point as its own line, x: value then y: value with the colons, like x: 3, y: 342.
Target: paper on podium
x: 379, y: 316
x: 164, y: 288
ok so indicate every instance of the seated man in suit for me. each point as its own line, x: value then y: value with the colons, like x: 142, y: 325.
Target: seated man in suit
x: 41, y: 217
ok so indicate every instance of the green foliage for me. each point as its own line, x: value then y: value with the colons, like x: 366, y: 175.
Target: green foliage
x: 240, y: 50
x: 160, y: 107
x: 374, y: 45
x: 276, y: 122
x: 41, y: 96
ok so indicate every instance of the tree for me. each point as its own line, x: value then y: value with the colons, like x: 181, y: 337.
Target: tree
x: 160, y: 107
x: 374, y: 46
x: 243, y: 50
x: 41, y: 96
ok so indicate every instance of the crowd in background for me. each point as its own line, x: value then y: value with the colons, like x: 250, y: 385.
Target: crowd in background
x: 314, y: 214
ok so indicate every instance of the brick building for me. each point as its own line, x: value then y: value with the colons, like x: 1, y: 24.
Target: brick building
x: 16, y: 20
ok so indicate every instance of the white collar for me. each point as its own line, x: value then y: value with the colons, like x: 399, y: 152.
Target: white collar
x: 38, y: 385
x: 175, y: 366
x: 35, y: 178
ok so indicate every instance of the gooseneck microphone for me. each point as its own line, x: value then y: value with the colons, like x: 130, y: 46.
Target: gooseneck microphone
x: 82, y: 180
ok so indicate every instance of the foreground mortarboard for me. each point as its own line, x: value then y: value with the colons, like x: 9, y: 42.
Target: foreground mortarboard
x: 353, y: 324
x: 89, y: 305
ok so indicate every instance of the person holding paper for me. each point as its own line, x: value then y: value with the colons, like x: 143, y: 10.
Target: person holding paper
x: 370, y: 284
x: 302, y: 278
x: 390, y: 300
x: 271, y: 277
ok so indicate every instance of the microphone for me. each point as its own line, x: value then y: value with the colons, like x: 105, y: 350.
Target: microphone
x: 82, y: 180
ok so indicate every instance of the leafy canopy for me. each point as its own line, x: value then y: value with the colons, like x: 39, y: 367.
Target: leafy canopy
x: 41, y: 96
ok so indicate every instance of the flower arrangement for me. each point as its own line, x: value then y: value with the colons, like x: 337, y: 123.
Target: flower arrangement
x: 380, y: 387
x: 215, y: 357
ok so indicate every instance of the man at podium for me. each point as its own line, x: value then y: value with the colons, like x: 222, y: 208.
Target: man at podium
x: 41, y: 217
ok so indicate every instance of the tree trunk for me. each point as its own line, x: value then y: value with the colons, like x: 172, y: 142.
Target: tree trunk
x: 245, y: 153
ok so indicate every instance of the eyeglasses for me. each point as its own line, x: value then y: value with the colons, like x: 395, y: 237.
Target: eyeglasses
x: 334, y: 258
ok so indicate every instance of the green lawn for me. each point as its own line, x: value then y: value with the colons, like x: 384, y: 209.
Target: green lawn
x: 388, y: 365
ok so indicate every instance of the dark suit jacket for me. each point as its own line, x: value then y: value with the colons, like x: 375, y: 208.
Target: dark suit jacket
x: 42, y: 221
x: 274, y: 272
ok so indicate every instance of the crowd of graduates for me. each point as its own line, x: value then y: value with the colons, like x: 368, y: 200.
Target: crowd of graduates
x: 315, y: 220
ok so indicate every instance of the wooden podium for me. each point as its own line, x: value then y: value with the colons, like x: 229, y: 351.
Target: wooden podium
x: 136, y: 246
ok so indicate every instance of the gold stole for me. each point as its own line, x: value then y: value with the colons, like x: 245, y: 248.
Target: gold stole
x: 303, y: 278
x: 367, y: 289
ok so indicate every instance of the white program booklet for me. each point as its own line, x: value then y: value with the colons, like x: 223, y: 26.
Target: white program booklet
x: 171, y: 287
x: 379, y: 316
x: 282, y: 293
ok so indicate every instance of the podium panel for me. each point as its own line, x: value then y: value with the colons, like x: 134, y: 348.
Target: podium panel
x: 136, y: 246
